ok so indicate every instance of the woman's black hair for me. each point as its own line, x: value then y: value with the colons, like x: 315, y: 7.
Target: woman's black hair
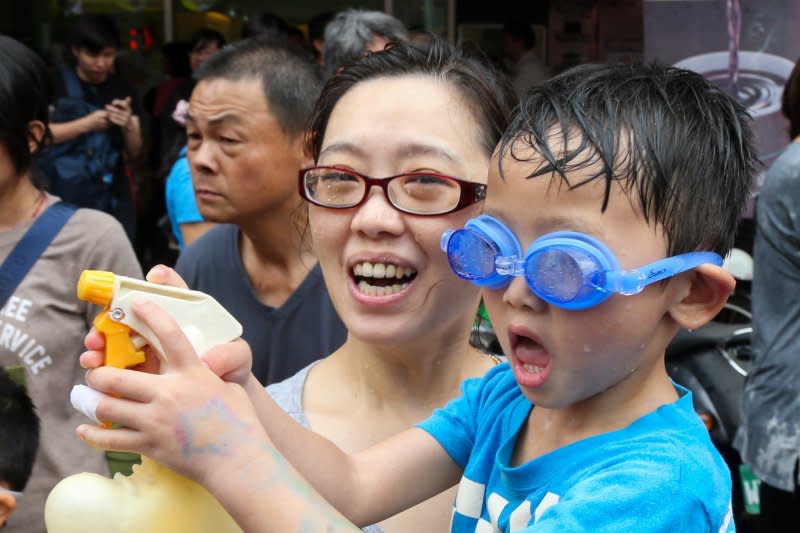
x: 25, y: 96
x: 484, y: 89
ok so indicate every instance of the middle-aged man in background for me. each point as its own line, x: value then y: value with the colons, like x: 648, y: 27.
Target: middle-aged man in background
x: 246, y: 133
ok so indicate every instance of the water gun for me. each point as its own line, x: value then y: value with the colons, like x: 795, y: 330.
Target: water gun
x: 153, y: 499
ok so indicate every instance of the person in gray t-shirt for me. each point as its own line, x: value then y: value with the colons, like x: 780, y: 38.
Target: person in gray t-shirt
x: 769, y: 439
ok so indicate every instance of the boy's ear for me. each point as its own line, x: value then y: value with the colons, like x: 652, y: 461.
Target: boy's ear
x: 708, y: 289
x: 7, y: 504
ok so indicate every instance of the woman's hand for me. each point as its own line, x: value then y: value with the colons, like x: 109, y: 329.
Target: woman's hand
x: 233, y: 367
x: 187, y: 418
x: 95, y: 343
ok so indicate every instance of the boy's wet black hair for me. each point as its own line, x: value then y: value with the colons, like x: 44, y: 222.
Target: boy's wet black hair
x: 678, y: 145
x: 19, y: 433
x: 483, y: 89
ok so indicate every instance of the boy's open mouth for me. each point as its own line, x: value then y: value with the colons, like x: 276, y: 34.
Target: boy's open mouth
x: 382, y: 279
x: 530, y: 360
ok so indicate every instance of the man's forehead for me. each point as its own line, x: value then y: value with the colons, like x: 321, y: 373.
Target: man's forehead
x: 227, y: 100
x: 235, y: 93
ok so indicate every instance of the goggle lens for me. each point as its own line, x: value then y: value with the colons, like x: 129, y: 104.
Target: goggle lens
x: 470, y: 255
x: 560, y: 274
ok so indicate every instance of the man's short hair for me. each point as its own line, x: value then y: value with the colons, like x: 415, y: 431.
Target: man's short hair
x: 350, y: 32
x: 680, y: 147
x: 94, y: 32
x: 290, y: 81
x: 19, y: 433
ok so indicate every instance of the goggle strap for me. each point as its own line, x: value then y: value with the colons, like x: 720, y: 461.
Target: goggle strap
x: 634, y: 281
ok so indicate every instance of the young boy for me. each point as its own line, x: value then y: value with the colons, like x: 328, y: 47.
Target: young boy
x: 19, y: 440
x: 605, y: 171
x: 93, y: 100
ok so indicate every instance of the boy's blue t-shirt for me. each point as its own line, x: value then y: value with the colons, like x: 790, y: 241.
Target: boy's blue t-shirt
x: 659, y: 474
x: 181, y: 204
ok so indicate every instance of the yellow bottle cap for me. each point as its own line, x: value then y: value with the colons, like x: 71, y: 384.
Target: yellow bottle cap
x: 96, y: 286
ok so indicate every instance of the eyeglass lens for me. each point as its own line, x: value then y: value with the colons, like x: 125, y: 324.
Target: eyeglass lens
x: 415, y: 193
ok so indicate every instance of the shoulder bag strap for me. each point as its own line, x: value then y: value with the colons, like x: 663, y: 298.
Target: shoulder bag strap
x: 31, y: 246
x: 71, y: 83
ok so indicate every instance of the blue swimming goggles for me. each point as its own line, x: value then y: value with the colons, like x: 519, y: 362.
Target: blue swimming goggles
x: 566, y: 269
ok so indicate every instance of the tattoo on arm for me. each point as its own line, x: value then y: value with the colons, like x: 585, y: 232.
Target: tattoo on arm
x: 216, y: 430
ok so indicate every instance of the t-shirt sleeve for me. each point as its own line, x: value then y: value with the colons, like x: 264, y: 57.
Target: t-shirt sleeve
x: 112, y: 251
x: 180, y: 194
x: 644, y: 496
x: 455, y: 425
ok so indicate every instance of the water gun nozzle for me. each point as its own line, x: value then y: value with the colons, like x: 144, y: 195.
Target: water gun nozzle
x: 96, y: 286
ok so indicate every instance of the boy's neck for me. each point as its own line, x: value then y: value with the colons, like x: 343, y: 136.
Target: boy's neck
x: 547, y: 429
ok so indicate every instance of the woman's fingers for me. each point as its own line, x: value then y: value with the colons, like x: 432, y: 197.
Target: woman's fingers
x: 231, y: 361
x: 120, y: 439
x: 126, y: 413
x: 94, y: 340
x: 163, y: 275
x: 178, y: 351
x: 129, y: 384
x: 92, y: 359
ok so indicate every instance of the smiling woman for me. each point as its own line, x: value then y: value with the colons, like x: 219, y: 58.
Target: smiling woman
x: 401, y: 141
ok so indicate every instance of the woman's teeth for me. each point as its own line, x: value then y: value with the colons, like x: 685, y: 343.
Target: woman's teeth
x: 382, y: 270
x: 382, y: 279
x: 371, y: 290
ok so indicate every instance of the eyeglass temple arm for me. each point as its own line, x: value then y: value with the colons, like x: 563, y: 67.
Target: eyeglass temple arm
x: 630, y: 282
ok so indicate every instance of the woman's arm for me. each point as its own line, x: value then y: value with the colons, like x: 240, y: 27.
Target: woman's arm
x: 211, y: 431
